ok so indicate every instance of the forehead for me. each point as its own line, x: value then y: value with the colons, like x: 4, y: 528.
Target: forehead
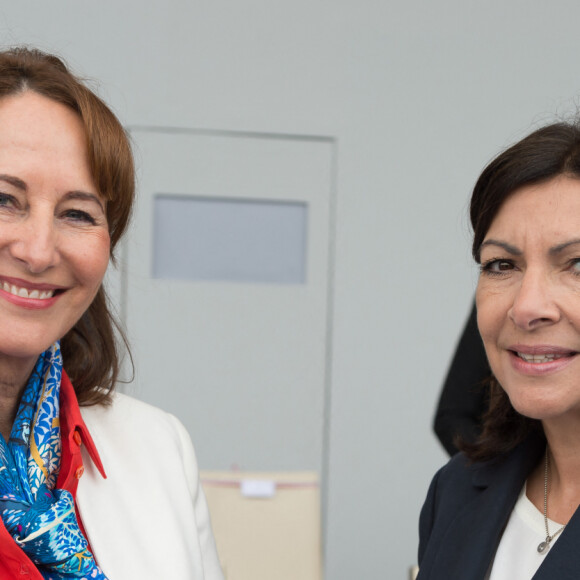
x: 38, y: 115
x: 41, y: 136
x: 550, y: 209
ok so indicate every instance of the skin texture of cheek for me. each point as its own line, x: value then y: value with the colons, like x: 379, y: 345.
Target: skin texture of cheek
x: 491, y: 314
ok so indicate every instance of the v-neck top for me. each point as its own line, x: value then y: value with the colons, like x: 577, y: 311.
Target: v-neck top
x: 517, y: 556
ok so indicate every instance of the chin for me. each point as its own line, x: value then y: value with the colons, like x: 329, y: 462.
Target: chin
x: 540, y: 408
x: 27, y: 349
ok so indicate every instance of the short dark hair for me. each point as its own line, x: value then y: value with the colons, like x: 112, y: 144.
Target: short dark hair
x: 545, y: 154
x: 90, y: 351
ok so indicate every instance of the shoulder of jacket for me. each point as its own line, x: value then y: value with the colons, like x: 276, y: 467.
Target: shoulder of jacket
x: 130, y: 418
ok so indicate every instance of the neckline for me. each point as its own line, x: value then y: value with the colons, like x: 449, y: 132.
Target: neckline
x: 531, y: 514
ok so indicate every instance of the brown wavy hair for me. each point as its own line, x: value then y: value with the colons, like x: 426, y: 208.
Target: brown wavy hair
x: 90, y: 349
x: 546, y: 153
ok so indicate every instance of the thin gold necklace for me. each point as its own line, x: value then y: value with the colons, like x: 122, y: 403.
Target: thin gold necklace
x: 543, y: 546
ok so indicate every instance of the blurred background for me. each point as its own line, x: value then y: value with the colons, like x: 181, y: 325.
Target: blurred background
x: 349, y: 134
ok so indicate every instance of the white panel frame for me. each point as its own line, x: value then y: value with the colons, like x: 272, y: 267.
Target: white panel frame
x: 253, y: 357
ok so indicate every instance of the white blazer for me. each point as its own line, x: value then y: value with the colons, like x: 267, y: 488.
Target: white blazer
x: 149, y: 519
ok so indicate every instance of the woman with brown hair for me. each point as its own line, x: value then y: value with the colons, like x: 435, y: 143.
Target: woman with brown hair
x: 507, y: 507
x: 93, y: 484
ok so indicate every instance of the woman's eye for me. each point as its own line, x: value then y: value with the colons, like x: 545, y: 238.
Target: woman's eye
x: 575, y: 266
x: 6, y: 200
x: 78, y: 215
x: 497, y: 266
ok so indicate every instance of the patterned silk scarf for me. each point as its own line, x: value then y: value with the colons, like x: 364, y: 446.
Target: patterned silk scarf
x: 40, y: 518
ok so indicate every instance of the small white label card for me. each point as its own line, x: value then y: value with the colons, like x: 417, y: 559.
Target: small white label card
x: 258, y: 488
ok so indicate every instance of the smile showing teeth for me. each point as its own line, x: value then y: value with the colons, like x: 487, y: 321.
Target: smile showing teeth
x: 540, y: 358
x: 25, y: 293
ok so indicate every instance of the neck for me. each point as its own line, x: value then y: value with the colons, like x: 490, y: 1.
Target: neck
x: 564, y: 480
x: 14, y: 373
x: 563, y: 436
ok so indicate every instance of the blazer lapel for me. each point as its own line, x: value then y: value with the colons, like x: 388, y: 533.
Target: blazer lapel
x: 563, y: 559
x: 469, y: 544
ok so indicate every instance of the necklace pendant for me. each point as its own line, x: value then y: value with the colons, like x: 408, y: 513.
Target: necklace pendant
x: 543, y: 546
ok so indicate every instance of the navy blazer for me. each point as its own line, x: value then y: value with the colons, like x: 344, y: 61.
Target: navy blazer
x: 467, y: 509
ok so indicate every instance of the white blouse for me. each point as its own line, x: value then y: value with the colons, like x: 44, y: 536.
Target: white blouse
x: 517, y: 556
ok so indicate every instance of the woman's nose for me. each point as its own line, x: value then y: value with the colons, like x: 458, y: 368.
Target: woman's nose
x: 35, y: 245
x: 534, y: 303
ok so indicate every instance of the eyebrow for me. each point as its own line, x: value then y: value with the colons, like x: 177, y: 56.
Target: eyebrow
x: 85, y: 196
x: 507, y: 247
x: 75, y: 194
x: 560, y: 247
x: 18, y: 183
x: 517, y: 252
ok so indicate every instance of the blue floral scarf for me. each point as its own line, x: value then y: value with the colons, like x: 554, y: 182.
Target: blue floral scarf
x: 40, y: 518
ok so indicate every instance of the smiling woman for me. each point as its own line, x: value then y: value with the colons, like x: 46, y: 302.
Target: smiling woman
x: 66, y: 192
x: 54, y: 235
x: 528, y: 299
x: 507, y: 507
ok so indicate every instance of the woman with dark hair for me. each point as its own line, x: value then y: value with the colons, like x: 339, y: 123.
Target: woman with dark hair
x: 507, y: 506
x: 66, y: 191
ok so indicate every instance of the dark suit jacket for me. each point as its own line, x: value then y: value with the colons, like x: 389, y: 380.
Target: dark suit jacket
x: 466, y: 510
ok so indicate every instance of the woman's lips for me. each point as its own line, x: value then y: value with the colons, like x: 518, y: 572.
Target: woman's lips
x: 541, y: 359
x: 28, y: 294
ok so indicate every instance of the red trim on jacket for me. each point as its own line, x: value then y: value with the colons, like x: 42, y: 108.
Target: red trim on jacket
x: 72, y: 423
x: 14, y: 563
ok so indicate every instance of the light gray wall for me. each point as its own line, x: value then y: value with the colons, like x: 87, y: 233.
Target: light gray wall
x: 419, y: 96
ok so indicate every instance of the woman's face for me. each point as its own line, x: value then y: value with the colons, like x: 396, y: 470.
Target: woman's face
x: 528, y: 298
x: 54, y: 239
